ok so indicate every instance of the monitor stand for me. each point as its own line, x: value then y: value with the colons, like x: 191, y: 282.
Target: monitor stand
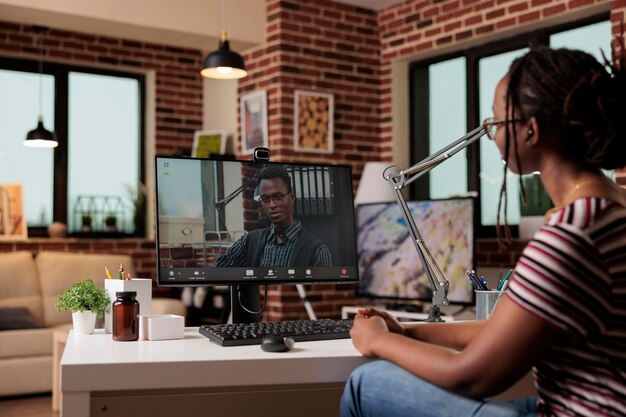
x: 250, y: 298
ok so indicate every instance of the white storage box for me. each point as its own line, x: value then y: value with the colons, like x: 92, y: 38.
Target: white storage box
x: 143, y: 287
x: 181, y: 229
x: 161, y: 327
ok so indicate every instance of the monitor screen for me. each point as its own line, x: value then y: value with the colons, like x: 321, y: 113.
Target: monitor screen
x: 234, y: 222
x: 389, y: 264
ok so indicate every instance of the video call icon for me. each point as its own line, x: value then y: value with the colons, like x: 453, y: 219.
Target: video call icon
x: 249, y: 272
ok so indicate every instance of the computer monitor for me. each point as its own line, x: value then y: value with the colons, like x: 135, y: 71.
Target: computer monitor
x: 217, y: 221
x: 389, y: 264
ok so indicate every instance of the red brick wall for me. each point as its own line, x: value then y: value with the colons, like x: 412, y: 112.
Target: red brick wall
x: 618, y: 18
x: 322, y: 47
x: 420, y: 26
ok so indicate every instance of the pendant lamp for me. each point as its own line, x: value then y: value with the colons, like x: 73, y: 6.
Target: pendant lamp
x: 40, y: 137
x: 224, y: 64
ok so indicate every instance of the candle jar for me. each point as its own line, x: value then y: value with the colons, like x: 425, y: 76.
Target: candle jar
x: 125, y: 316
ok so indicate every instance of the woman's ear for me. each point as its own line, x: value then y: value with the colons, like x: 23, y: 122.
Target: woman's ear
x: 532, y: 135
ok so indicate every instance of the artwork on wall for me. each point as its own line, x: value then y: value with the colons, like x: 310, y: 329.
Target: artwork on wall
x: 208, y: 142
x: 253, y: 113
x: 313, y: 122
x: 12, y: 221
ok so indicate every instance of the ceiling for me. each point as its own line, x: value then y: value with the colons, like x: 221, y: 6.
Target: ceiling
x: 197, y: 24
x: 371, y: 4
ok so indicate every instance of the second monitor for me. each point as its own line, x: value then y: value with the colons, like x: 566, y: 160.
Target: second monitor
x: 388, y: 261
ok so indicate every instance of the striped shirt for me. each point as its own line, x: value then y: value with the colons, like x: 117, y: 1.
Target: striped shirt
x: 274, y: 254
x: 573, y: 275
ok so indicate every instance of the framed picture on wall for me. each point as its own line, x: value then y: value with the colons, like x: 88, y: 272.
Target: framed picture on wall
x: 12, y: 220
x: 253, y: 113
x: 313, y: 122
x: 208, y: 142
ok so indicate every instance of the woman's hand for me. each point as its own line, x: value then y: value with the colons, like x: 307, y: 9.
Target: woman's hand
x: 364, y: 330
x: 392, y: 323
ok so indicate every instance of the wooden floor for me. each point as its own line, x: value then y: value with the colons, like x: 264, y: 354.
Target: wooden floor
x: 27, y: 406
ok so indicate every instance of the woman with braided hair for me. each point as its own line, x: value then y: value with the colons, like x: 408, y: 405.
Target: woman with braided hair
x: 561, y: 113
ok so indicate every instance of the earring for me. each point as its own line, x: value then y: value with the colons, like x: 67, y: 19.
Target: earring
x: 531, y: 132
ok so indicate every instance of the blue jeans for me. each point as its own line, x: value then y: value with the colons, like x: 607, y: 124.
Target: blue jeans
x: 381, y: 388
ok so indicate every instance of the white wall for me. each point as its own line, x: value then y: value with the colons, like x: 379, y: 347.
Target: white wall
x: 220, y: 109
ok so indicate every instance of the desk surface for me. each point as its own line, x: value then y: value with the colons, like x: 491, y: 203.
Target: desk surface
x: 97, y: 363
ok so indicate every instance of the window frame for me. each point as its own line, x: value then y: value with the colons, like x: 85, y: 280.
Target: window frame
x: 419, y: 128
x: 61, y: 72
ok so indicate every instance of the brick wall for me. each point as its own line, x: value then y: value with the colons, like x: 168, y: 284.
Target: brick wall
x: 618, y: 19
x: 323, y: 47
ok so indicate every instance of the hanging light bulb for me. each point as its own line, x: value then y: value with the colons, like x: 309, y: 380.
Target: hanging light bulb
x: 40, y: 137
x: 224, y: 64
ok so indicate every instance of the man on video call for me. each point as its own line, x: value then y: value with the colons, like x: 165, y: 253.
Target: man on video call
x: 284, y: 242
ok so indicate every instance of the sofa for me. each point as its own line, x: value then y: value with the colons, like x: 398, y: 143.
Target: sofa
x: 28, y: 318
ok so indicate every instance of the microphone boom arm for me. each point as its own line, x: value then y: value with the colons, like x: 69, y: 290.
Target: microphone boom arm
x: 398, y: 180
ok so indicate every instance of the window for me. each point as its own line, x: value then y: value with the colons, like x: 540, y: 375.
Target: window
x: 451, y: 95
x: 490, y: 71
x: 97, y: 167
x: 31, y: 167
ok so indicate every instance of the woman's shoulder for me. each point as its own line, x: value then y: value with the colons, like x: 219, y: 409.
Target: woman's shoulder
x: 587, y: 212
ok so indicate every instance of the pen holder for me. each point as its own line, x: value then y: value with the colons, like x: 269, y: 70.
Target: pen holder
x: 143, y: 287
x: 486, y: 302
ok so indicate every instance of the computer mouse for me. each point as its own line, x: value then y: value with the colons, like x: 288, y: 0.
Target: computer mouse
x: 277, y: 343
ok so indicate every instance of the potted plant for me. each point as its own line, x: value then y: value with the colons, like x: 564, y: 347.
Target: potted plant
x: 85, y: 223
x: 110, y: 223
x: 532, y: 213
x: 137, y: 195
x: 86, y: 301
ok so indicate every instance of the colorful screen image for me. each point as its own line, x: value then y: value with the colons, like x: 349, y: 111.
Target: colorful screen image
x: 389, y: 265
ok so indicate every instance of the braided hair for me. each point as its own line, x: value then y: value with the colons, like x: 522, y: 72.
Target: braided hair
x: 573, y: 92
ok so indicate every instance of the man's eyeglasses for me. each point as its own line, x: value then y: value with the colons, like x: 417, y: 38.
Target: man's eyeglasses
x: 491, y: 125
x: 266, y: 199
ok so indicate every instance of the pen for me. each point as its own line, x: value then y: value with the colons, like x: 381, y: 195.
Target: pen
x: 482, y: 279
x: 504, y: 280
x: 504, y: 286
x: 120, y: 272
x: 108, y: 273
x: 477, y: 285
x: 481, y: 285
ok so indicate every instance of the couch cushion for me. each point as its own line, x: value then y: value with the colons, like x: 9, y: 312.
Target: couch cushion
x: 23, y: 375
x: 23, y: 343
x: 19, y: 283
x: 58, y: 271
x: 13, y: 318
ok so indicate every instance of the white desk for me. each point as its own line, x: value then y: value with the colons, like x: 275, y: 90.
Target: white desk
x: 193, y: 376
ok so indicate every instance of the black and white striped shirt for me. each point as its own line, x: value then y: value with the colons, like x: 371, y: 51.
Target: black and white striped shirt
x: 573, y: 275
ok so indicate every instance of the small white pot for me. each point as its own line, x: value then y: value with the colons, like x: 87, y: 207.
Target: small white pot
x: 84, y: 321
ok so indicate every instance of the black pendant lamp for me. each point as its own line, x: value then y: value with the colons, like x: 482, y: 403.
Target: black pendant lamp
x: 224, y: 64
x: 40, y: 137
